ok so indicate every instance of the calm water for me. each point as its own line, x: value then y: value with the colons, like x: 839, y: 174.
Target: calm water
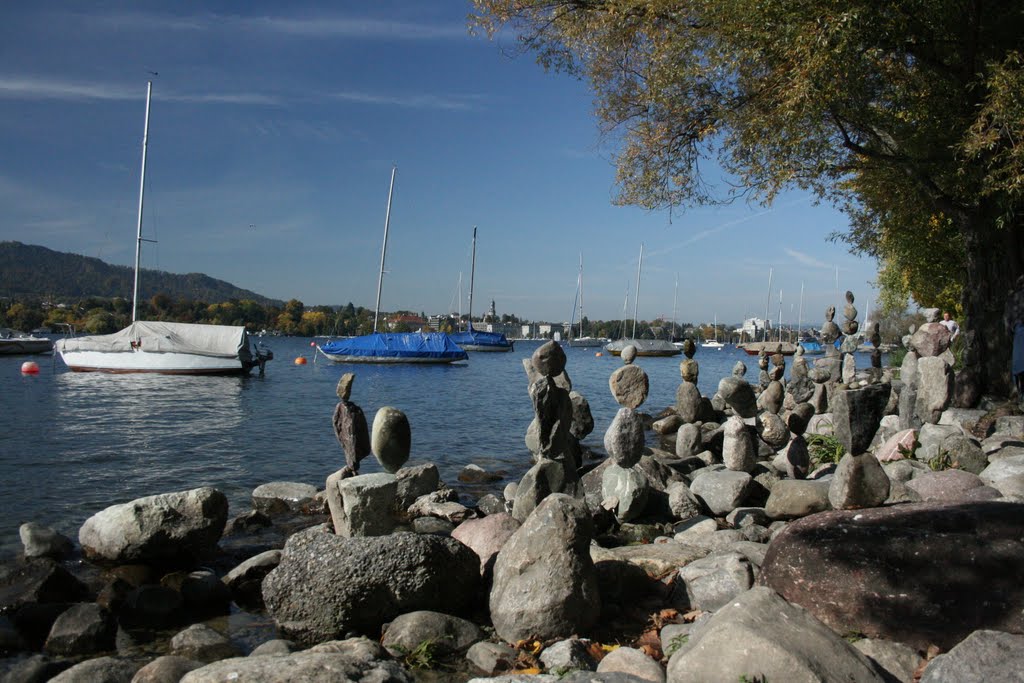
x: 74, y: 443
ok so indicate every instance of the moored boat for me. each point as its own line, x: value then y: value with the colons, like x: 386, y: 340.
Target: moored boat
x: 644, y: 347
x: 13, y: 342
x: 769, y: 347
x: 478, y: 340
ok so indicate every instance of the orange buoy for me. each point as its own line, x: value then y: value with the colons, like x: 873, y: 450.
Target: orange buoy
x: 301, y: 360
x: 598, y: 354
x: 29, y: 368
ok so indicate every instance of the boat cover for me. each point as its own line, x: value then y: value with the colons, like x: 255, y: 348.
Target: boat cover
x: 220, y: 341
x: 397, y: 345
x: 645, y: 346
x: 481, y: 338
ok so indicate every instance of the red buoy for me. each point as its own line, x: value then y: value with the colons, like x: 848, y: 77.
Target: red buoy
x: 29, y: 368
x: 301, y: 360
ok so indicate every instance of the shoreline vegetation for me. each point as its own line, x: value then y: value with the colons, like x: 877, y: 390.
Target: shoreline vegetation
x: 839, y: 525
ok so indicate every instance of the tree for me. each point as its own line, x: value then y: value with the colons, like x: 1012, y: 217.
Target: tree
x: 906, y: 114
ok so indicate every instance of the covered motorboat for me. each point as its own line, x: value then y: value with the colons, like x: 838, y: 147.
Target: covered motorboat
x: 13, y: 342
x: 394, y: 347
x: 165, y: 348
x: 644, y: 347
x: 478, y: 340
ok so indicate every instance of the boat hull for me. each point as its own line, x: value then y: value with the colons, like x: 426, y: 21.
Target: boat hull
x: 588, y: 342
x: 385, y: 360
x: 486, y: 347
x: 771, y: 348
x: 27, y: 346
x: 644, y: 347
x: 156, y: 363
x: 712, y: 345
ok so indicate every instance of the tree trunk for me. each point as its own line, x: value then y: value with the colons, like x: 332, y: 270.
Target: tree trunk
x: 994, y: 260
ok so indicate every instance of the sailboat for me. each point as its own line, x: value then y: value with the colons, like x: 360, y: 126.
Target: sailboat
x: 755, y: 348
x: 644, y: 347
x: 162, y: 347
x: 392, y: 347
x: 478, y: 340
x: 714, y: 344
x: 583, y: 341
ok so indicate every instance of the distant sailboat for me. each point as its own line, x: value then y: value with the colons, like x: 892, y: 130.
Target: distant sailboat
x: 478, y: 340
x: 583, y: 341
x: 644, y: 347
x: 392, y: 347
x: 714, y: 344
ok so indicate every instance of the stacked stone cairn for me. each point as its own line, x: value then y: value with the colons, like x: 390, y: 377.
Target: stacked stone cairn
x: 850, y: 341
x: 737, y: 555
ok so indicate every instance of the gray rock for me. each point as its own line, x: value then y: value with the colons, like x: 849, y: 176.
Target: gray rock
x: 688, y: 402
x: 951, y: 485
x: 202, y: 643
x: 797, y: 458
x: 770, y: 400
x: 1011, y: 425
x: 689, y: 441
x: 391, y: 438
x: 656, y: 559
x: 668, y: 424
x: 549, y: 359
x: 328, y: 667
x: 446, y: 634
x: 739, y: 395
x: 713, y: 581
x: 42, y: 541
x: 282, y: 496
x: 558, y: 595
x: 772, y: 430
x: 738, y: 452
x: 629, y: 386
x: 436, y: 505
x: 780, y: 642
x: 790, y: 499
x: 934, y: 388
x: 582, y: 419
x: 362, y: 505
x: 628, y: 354
x: 273, y: 648
x: 628, y: 660
x: 84, y: 629
x: 965, y: 453
x: 1006, y: 475
x: 930, y: 340
x: 156, y: 529
x: 721, y: 491
x: 352, y: 433
x: 565, y: 655
x: 689, y: 530
x: 540, y: 481
x: 166, y: 669
x: 327, y: 585
x: 681, y: 501
x: 415, y: 481
x: 746, y: 516
x: 627, y: 489
x: 856, y: 414
x: 34, y: 669
x: 624, y: 439
x: 486, y: 536
x: 99, y: 670
x: 491, y: 657
x: 859, y: 482
x: 982, y: 657
x: 245, y: 580
x: 898, y: 660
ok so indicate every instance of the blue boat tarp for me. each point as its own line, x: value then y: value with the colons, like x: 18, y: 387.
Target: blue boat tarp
x: 395, y: 345
x: 473, y: 337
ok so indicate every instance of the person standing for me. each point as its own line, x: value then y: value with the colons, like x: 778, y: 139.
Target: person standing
x: 950, y: 324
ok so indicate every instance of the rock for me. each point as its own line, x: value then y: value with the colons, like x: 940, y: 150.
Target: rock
x: 282, y: 496
x: 415, y: 481
x: 711, y: 582
x: 34, y: 669
x: 582, y: 418
x: 1006, y: 475
x: 435, y: 505
x: 352, y: 433
x: 362, y: 505
x: 84, y: 629
x: 277, y: 646
x: 897, y: 447
x: 327, y: 585
x: 780, y: 642
x: 770, y: 400
x: 859, y: 482
x: 158, y: 529
x: 391, y: 438
x: 150, y: 606
x: 565, y: 655
x: 721, y: 491
x: 681, y: 501
x: 549, y: 359
x: 486, y: 536
x: 202, y: 643
x: 856, y: 414
x: 898, y: 660
x: 655, y: 559
x: 165, y: 669
x: 629, y: 386
x: 772, y: 430
x: 688, y: 402
x: 797, y: 458
x: 628, y: 660
x: 917, y: 573
x: 790, y: 499
x: 558, y: 594
x: 934, y: 389
x: 309, y: 665
x: 42, y: 541
x: 552, y: 425
x: 245, y: 580
x: 627, y: 489
x: 930, y: 340
x: 739, y: 395
x: 982, y: 657
x: 738, y: 452
x: 688, y: 440
x: 668, y: 424
x: 624, y: 439
x: 99, y: 670
x: 541, y: 480
x: 690, y: 529
x: 446, y: 634
x: 628, y: 354
x: 492, y: 657
x: 965, y: 453
x: 741, y: 517
x: 951, y: 485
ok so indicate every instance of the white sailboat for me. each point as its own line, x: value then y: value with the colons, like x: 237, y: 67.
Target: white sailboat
x: 714, y: 344
x: 583, y: 341
x: 644, y: 347
x: 478, y: 340
x: 162, y: 347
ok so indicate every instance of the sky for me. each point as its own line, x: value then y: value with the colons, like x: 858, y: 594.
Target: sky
x: 273, y: 131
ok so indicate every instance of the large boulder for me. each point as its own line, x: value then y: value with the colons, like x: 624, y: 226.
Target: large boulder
x: 327, y: 585
x: 759, y: 636
x: 545, y: 584
x: 486, y: 536
x: 918, y: 573
x: 856, y: 414
x: 162, y: 528
x: 982, y: 657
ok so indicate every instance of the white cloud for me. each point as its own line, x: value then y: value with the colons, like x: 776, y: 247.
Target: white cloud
x: 807, y: 260
x: 410, y: 101
x: 31, y: 88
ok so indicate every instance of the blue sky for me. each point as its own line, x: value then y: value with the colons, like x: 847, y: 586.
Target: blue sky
x: 273, y: 131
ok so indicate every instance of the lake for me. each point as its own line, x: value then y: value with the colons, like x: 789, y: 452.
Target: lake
x: 74, y: 443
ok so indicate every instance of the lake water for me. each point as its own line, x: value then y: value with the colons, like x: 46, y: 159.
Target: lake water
x: 74, y: 443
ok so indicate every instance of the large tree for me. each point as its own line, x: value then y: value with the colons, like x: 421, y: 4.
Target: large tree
x: 907, y: 114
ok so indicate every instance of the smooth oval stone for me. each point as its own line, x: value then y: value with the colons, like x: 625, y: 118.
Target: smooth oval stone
x: 629, y: 386
x: 345, y: 385
x: 549, y: 359
x: 628, y: 354
x: 391, y: 438
x: 689, y: 369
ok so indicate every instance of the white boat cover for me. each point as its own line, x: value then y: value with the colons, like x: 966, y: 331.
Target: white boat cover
x: 221, y: 341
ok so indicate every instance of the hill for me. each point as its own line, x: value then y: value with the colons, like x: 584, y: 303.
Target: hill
x: 27, y: 270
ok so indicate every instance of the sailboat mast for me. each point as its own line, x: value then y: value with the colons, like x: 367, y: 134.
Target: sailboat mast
x: 472, y: 277
x: 675, y: 298
x: 384, y: 249
x: 636, y: 300
x: 780, y: 315
x: 800, y: 315
x: 142, y: 191
x: 581, y: 294
x: 768, y: 303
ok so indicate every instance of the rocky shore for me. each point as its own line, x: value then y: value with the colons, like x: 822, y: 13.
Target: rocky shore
x: 849, y: 524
